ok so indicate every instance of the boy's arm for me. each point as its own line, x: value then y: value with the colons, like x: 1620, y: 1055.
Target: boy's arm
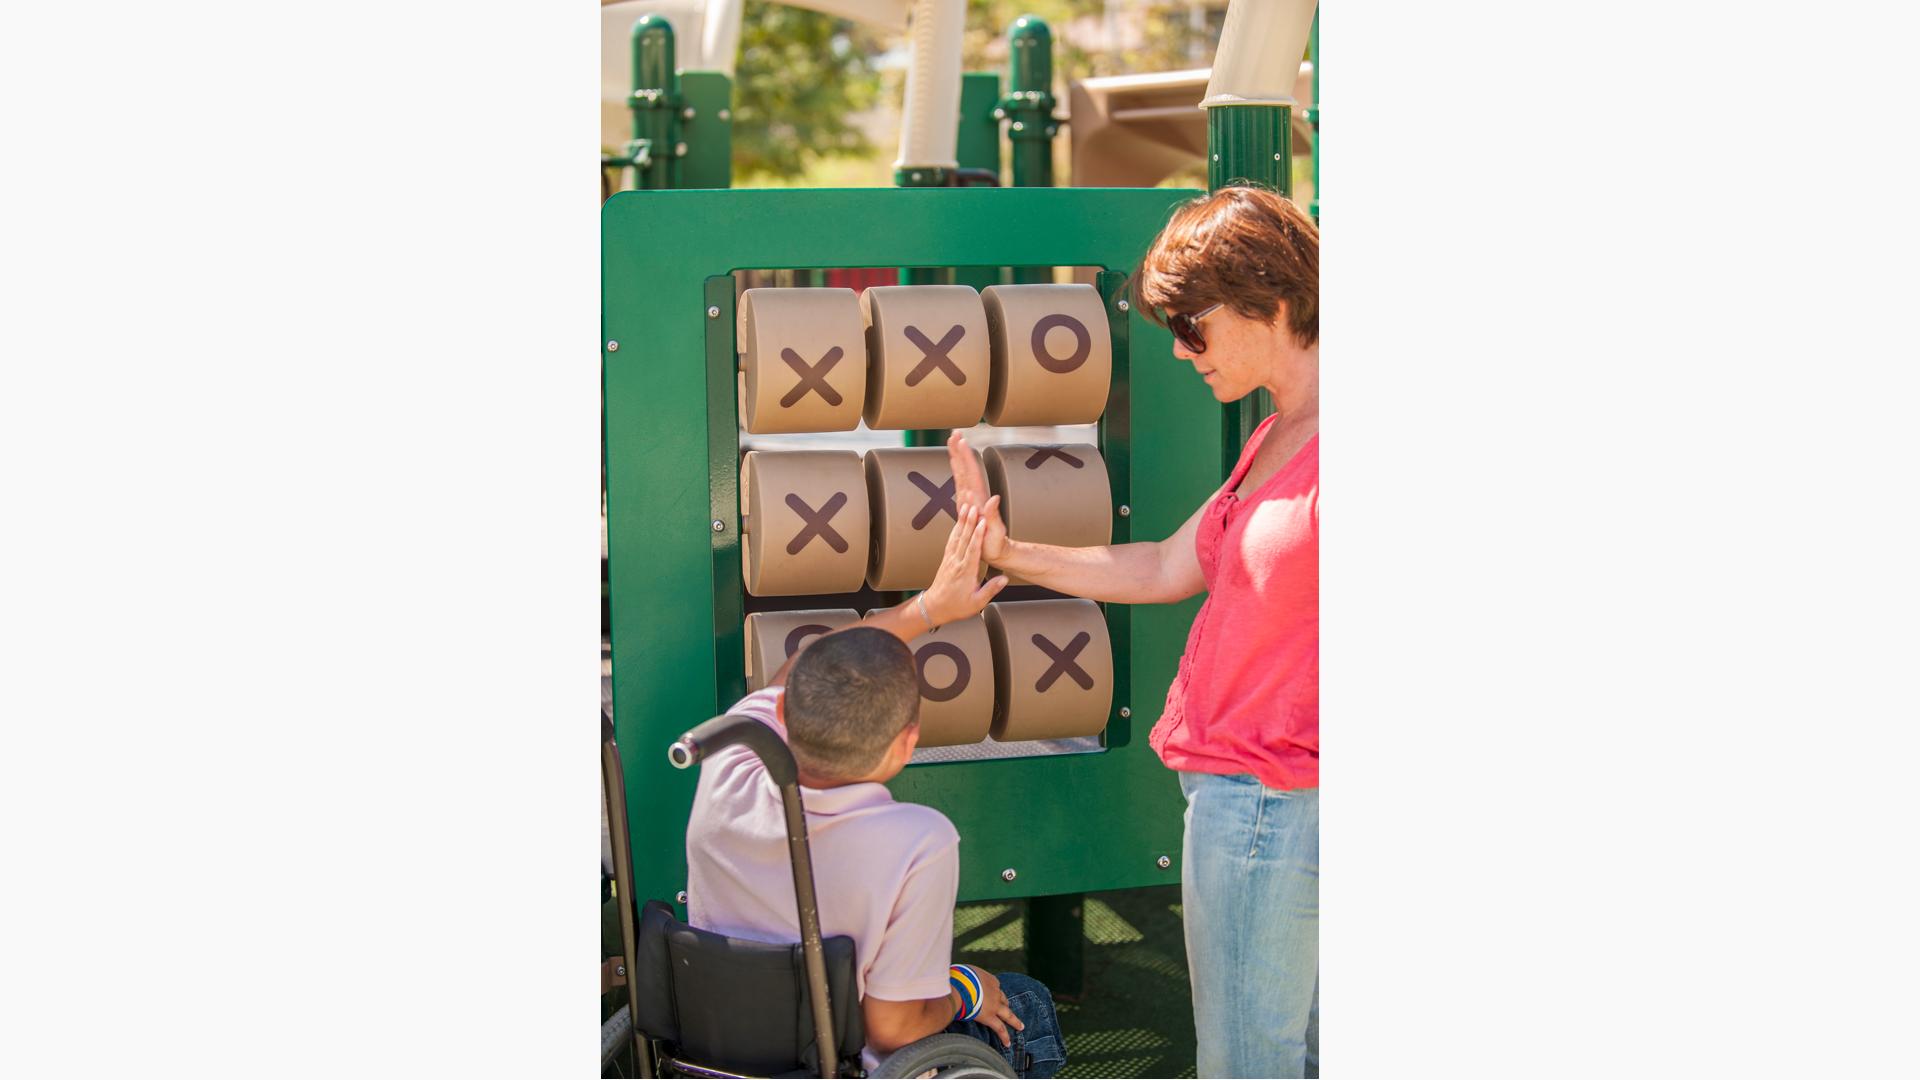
x: 954, y: 595
x: 893, y: 1024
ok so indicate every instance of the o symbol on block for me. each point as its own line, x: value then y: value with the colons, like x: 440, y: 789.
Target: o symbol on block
x: 962, y: 671
x: 1082, y: 343
x: 799, y: 635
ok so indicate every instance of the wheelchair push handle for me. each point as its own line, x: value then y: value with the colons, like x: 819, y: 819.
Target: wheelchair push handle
x: 723, y: 731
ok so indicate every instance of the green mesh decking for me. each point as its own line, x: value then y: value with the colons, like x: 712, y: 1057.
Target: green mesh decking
x: 1136, y: 1016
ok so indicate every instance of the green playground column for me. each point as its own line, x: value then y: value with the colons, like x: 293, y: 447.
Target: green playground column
x: 1250, y: 143
x: 1028, y: 109
x: 1248, y: 146
x: 1313, y: 110
x: 656, y: 148
x: 1056, y: 925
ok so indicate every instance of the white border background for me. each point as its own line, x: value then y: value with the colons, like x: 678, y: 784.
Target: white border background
x: 300, y: 424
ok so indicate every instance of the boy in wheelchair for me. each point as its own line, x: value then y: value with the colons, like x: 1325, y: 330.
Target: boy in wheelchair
x: 887, y: 873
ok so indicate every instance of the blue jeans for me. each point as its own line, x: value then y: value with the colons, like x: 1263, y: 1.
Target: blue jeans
x: 1039, y: 1051
x: 1250, y: 894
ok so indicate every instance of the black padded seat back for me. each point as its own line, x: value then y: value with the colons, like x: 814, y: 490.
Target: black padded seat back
x: 739, y: 1005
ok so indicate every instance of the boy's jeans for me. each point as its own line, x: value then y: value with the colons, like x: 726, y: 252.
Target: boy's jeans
x: 1250, y: 890
x: 1038, y: 1051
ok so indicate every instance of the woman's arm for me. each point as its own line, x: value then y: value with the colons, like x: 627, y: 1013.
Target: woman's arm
x: 1140, y: 573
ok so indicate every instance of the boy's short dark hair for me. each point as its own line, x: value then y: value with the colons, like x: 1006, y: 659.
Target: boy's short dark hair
x: 848, y: 695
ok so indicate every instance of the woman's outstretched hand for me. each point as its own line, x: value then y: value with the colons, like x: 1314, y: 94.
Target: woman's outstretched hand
x: 957, y: 592
x: 970, y: 489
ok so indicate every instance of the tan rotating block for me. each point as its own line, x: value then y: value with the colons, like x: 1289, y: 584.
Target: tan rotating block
x: 929, y: 364
x: 1052, y: 494
x: 1052, y: 669
x: 1052, y: 354
x: 806, y: 528
x: 955, y: 668
x: 774, y: 636
x: 910, y: 496
x: 804, y: 354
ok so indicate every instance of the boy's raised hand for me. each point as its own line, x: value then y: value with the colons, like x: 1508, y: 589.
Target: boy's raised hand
x: 956, y: 592
x: 970, y: 489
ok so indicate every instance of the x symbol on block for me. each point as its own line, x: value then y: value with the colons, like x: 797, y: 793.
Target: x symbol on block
x: 816, y: 523
x: 939, y: 497
x: 1042, y: 453
x: 811, y: 378
x: 936, y: 355
x: 1063, y: 662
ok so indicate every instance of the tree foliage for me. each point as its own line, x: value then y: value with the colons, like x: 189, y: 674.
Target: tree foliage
x: 801, y: 78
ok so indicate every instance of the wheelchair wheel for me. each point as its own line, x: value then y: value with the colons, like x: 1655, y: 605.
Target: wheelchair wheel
x: 941, y: 1057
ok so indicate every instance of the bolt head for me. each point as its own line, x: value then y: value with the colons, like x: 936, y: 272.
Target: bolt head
x: 719, y: 526
x: 1125, y: 510
x: 999, y: 114
x: 1008, y: 874
x: 681, y: 896
x: 1125, y: 712
x: 613, y: 346
x: 686, y: 113
x: 725, y: 114
x: 1018, y: 126
x: 713, y: 312
x: 1164, y: 862
x: 1122, y: 305
x: 1276, y: 157
x: 679, y: 149
x: 1216, y: 157
x: 620, y: 970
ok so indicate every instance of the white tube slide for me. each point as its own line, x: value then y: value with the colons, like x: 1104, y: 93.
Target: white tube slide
x: 929, y: 129
x: 1261, y: 45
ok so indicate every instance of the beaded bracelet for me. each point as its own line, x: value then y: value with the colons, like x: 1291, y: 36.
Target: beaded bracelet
x: 973, y: 993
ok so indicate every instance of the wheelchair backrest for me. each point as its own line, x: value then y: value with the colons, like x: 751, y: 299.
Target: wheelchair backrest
x: 739, y: 1005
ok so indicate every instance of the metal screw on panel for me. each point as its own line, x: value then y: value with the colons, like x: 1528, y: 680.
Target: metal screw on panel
x: 1008, y: 874
x: 999, y: 114
x: 1164, y: 862
x: 725, y: 114
x: 1123, y: 305
x: 620, y: 970
x: 719, y: 526
x: 687, y: 114
x: 713, y: 312
x: 1276, y: 157
x: 1125, y: 510
x: 1018, y: 126
x: 915, y: 177
x: 681, y: 896
x: 679, y: 149
x: 613, y: 346
x: 1125, y: 712
x: 1216, y: 157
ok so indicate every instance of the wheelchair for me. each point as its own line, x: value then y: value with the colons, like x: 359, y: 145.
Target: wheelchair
x: 706, y: 1005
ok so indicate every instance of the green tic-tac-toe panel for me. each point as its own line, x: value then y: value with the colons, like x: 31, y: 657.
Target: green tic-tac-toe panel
x: 1070, y: 823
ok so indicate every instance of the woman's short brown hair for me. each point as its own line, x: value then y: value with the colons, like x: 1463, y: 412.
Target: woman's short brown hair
x: 1244, y: 247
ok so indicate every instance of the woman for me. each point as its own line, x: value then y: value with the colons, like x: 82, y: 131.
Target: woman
x: 1235, y: 275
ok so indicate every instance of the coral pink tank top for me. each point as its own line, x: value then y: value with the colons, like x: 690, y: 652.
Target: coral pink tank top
x: 1247, y: 695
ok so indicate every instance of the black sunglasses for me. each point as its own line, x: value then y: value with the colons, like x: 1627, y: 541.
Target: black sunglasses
x: 1187, y: 329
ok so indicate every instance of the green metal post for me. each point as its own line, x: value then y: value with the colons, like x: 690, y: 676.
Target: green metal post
x: 1029, y: 102
x: 1313, y: 110
x: 1251, y: 146
x: 655, y: 105
x: 1028, y: 108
